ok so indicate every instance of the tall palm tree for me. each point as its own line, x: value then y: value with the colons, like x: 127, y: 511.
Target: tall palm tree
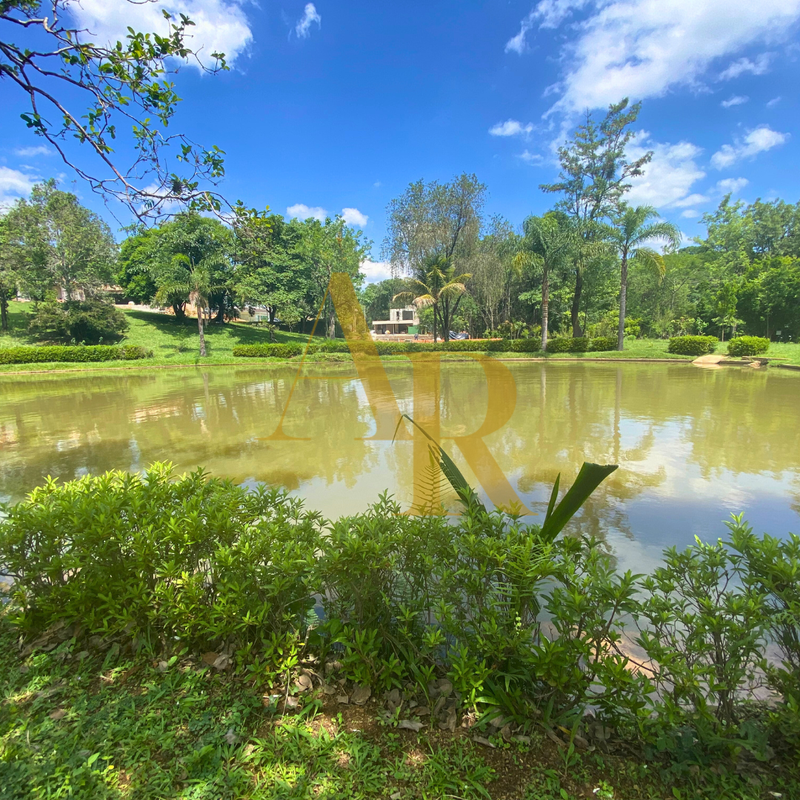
x: 440, y: 288
x: 547, y: 243
x: 192, y: 281
x: 630, y: 235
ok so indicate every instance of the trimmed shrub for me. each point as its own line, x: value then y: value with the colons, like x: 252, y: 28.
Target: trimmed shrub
x: 603, y: 343
x: 76, y: 354
x: 525, y: 345
x: 390, y: 348
x: 692, y: 345
x: 565, y: 344
x: 87, y: 322
x: 748, y: 346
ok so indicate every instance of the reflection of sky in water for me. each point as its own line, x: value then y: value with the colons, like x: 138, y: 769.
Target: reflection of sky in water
x: 693, y: 445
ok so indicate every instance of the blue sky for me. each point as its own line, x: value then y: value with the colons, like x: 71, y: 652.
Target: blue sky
x: 333, y: 106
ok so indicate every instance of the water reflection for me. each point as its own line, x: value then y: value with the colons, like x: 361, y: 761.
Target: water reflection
x: 693, y: 445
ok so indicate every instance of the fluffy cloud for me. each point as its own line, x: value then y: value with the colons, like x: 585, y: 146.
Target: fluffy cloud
x: 376, y: 271
x: 736, y: 100
x: 775, y: 100
x: 13, y: 185
x: 690, y: 213
x: 757, y: 141
x: 352, y: 216
x: 510, y: 128
x: 643, y: 48
x: 310, y: 16
x: 534, y: 159
x: 32, y: 152
x: 220, y: 25
x: 669, y: 177
x: 302, y: 211
x: 732, y: 185
x: 745, y: 65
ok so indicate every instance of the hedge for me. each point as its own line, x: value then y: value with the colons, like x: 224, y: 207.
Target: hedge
x: 692, y: 345
x: 564, y: 344
x: 748, y: 346
x: 603, y: 343
x: 76, y: 354
x: 390, y: 348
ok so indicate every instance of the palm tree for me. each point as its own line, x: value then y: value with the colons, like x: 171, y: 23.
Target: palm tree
x: 440, y: 288
x: 630, y: 236
x: 192, y: 281
x: 547, y: 243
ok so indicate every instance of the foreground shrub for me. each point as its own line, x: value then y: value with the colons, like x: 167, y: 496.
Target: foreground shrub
x: 388, y: 348
x: 49, y: 353
x: 87, y: 322
x: 692, y: 345
x: 748, y: 346
x: 603, y: 343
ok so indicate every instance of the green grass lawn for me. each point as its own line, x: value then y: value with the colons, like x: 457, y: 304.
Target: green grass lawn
x: 88, y: 720
x: 176, y: 343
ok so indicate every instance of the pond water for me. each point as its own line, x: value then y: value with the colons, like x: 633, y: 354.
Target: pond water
x: 693, y: 444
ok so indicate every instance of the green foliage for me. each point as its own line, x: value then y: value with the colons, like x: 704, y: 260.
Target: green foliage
x: 692, y: 345
x: 88, y: 322
x: 390, y: 348
x: 76, y: 354
x: 603, y: 343
x: 565, y: 344
x: 748, y: 346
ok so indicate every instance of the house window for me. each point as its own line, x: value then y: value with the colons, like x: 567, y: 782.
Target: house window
x: 408, y: 314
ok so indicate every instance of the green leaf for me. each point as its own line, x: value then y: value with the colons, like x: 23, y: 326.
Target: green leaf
x: 589, y: 478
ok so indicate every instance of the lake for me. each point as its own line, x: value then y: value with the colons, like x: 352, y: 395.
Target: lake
x: 693, y: 444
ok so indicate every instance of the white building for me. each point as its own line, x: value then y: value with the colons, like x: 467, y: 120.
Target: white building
x: 400, y: 320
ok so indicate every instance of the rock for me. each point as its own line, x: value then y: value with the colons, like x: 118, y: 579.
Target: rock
x: 303, y: 683
x: 332, y: 666
x: 57, y: 714
x: 162, y: 666
x: 222, y: 661
x: 580, y: 742
x: 231, y: 737
x: 497, y: 722
x: 522, y: 739
x: 328, y: 689
x: 342, y: 699
x: 395, y: 796
x: 360, y: 695
x: 408, y: 725
x: 291, y: 702
x: 506, y: 733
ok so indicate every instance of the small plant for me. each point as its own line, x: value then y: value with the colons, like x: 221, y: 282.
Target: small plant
x: 692, y: 345
x: 748, y: 346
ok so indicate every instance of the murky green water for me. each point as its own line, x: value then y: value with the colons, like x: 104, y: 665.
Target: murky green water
x: 693, y: 444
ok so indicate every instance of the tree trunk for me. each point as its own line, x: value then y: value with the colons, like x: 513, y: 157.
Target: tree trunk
x: 545, y: 307
x: 4, y: 313
x: 576, y: 303
x: 623, y: 296
x: 200, y: 331
x: 180, y: 312
x: 434, y: 323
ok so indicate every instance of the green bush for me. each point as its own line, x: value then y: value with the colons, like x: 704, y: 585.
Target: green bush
x: 86, y: 322
x: 389, y: 348
x: 564, y: 344
x: 603, y: 343
x: 76, y: 354
x: 692, y: 345
x: 748, y: 346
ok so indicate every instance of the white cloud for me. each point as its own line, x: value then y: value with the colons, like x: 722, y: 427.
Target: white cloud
x: 377, y: 184
x: 376, y: 271
x: 302, y: 211
x: 13, y: 185
x: 534, y: 159
x: 310, y: 15
x: 692, y: 200
x: 772, y: 103
x: 644, y: 48
x: 510, y: 128
x: 669, y: 177
x: 31, y: 152
x: 690, y: 213
x: 732, y: 185
x: 219, y: 25
x: 745, y: 65
x: 757, y: 141
x: 352, y: 216
x: 736, y: 100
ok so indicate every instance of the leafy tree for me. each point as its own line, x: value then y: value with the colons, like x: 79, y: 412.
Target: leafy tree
x: 82, y: 91
x: 441, y: 290
x: 493, y: 270
x: 58, y: 243
x: 594, y: 176
x: 631, y: 235
x: 8, y: 274
x: 325, y: 248
x: 86, y: 322
x: 434, y: 220
x: 547, y: 245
